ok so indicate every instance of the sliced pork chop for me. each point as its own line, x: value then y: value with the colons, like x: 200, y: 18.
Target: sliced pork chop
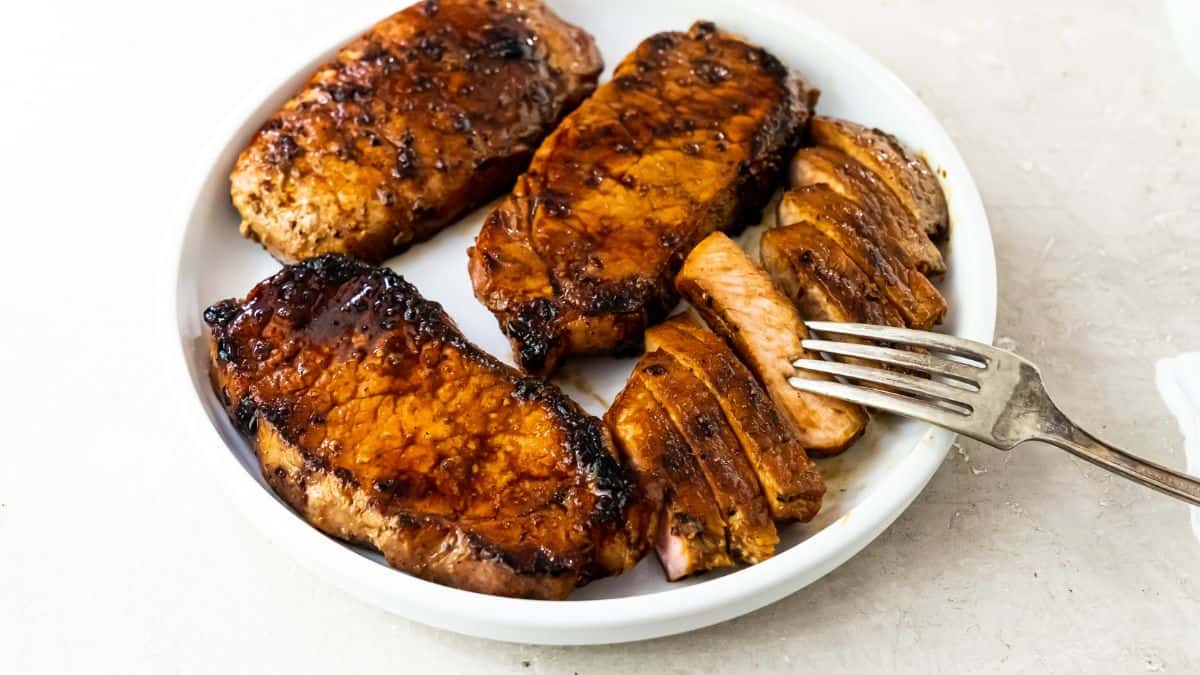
x: 698, y: 418
x: 905, y: 172
x: 823, y: 282
x: 380, y: 424
x: 690, y: 531
x: 893, y: 226
x: 738, y: 301
x: 856, y: 232
x: 790, y: 482
x: 688, y: 137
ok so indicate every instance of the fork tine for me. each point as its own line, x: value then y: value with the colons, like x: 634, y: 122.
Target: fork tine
x: 902, y: 381
x: 916, y: 338
x: 878, y: 400
x: 925, y: 363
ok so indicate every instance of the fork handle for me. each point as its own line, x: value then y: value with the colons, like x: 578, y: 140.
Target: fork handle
x: 1063, y: 433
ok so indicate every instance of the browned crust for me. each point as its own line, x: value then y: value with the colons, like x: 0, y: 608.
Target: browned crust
x: 790, y: 482
x: 428, y: 115
x: 380, y: 423
x: 688, y: 137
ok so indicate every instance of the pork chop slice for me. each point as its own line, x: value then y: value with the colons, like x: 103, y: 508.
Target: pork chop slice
x: 893, y: 227
x: 906, y: 173
x: 856, y: 232
x: 737, y: 299
x: 790, y: 482
x: 697, y: 416
x: 689, y: 532
x: 380, y: 424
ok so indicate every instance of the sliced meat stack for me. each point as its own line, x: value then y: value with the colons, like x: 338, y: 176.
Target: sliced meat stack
x: 906, y: 174
x: 689, y: 533
x: 854, y: 237
x: 790, y: 482
x: 688, y: 137
x: 703, y: 437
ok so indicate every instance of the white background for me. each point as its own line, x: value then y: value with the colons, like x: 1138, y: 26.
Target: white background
x: 1081, y: 125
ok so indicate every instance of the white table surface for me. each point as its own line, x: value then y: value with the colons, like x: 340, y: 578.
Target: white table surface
x: 1081, y: 125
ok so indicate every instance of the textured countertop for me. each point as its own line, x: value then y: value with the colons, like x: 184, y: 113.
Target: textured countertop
x: 1081, y: 125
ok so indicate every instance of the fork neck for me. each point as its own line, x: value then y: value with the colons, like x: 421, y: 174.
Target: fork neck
x: 1056, y: 429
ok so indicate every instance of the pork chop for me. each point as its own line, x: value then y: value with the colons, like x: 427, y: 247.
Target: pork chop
x: 431, y: 113
x: 738, y: 301
x: 380, y: 424
x: 688, y: 137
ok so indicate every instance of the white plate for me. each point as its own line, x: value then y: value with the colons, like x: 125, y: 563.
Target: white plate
x: 869, y: 485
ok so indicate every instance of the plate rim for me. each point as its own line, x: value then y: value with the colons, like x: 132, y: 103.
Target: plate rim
x: 593, y: 621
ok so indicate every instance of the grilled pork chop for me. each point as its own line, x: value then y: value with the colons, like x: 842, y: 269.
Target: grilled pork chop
x: 697, y: 417
x: 429, y: 114
x: 687, y: 138
x: 690, y: 530
x: 857, y: 232
x: 379, y: 423
x: 738, y: 301
x: 905, y: 173
x: 791, y: 484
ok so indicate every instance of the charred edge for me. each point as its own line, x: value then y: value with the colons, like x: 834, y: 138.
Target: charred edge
x: 227, y: 351
x: 388, y: 298
x: 769, y: 63
x: 623, y: 297
x: 331, y: 268
x: 702, y: 30
x: 663, y: 42
x: 536, y: 561
x: 612, y: 482
x: 776, y: 138
x: 535, y: 331
x: 345, y: 476
x: 276, y: 413
x: 508, y: 42
x: 245, y: 415
x: 222, y: 313
x: 282, y: 149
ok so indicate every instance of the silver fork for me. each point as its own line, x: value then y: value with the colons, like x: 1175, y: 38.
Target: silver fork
x: 977, y: 390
